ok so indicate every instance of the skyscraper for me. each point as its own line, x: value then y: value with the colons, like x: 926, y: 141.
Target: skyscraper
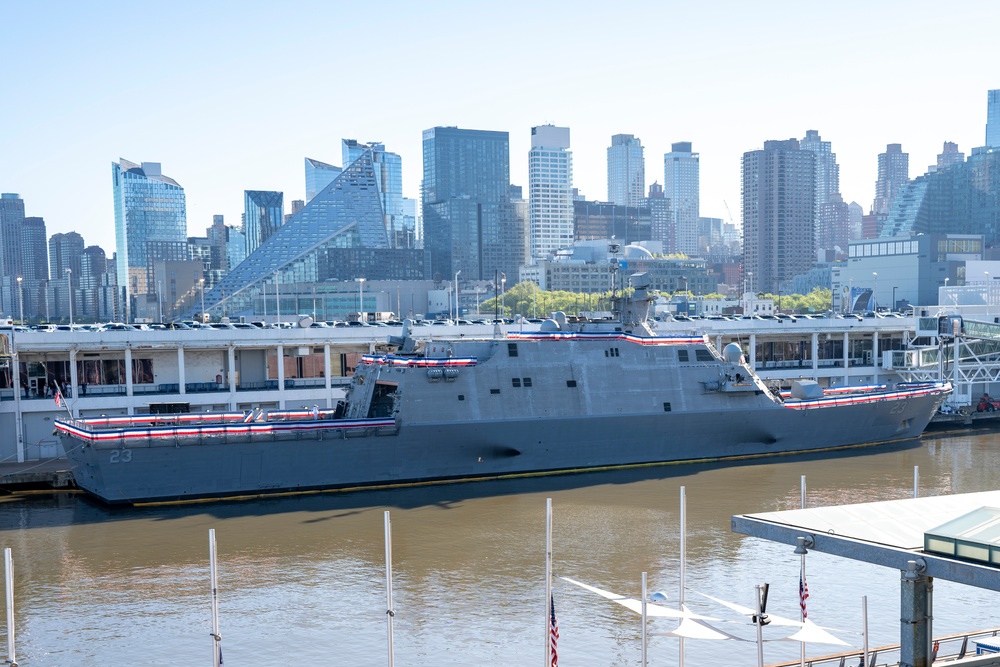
x: 681, y: 185
x: 65, y: 252
x: 465, y: 192
x: 318, y: 176
x: 150, y: 224
x: 827, y: 191
x: 778, y: 209
x: 993, y: 119
x: 626, y: 171
x: 550, y: 190
x: 11, y: 218
x: 389, y: 175
x: 948, y: 156
x: 263, y: 214
x: 893, y: 173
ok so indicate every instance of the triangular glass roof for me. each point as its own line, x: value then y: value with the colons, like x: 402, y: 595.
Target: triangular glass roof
x: 350, y: 204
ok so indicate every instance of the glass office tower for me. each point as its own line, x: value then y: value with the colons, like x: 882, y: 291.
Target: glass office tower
x: 150, y: 222
x: 263, y: 214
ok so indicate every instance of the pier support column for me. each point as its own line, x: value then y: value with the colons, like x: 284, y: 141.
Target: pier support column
x: 326, y: 375
x: 915, y: 631
x: 232, y: 377
x: 752, y: 357
x: 181, y: 377
x: 815, y: 356
x: 847, y: 357
x: 876, y: 361
x: 129, y: 379
x: 74, y: 381
x: 281, y: 377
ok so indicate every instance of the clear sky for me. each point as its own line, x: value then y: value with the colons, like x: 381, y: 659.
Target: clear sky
x: 232, y: 96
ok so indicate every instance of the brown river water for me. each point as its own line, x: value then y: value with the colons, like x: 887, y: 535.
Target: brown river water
x: 302, y: 579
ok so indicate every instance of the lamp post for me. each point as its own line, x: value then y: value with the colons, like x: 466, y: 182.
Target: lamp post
x: 457, y: 273
x: 277, y: 300
x: 477, y: 300
x: 201, y: 288
x: 503, y: 293
x: 20, y: 300
x: 894, y: 298
x: 159, y: 300
x: 875, y: 293
x: 361, y: 296
x: 69, y: 289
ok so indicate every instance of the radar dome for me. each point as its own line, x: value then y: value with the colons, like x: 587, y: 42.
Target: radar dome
x: 732, y: 353
x: 548, y: 326
x: 305, y: 321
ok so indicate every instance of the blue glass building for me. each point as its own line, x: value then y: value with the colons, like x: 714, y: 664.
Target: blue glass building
x: 389, y: 175
x: 150, y: 223
x: 264, y: 211
x: 466, y: 201
x: 319, y: 175
x: 339, y: 235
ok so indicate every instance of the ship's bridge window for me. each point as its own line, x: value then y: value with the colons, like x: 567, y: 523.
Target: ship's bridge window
x: 682, y: 355
x: 701, y: 354
x: 613, y: 352
x: 511, y: 349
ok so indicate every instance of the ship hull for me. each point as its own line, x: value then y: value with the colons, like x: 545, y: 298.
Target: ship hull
x: 156, y: 471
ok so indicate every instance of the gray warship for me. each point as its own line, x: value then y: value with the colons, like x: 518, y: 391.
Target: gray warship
x: 580, y: 393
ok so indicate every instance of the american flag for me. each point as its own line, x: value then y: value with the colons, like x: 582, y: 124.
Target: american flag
x: 803, y: 595
x: 553, y: 634
x: 58, y: 399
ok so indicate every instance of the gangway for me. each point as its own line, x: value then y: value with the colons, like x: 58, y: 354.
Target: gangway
x: 975, y: 344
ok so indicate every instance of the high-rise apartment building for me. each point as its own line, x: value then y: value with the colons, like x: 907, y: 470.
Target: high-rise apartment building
x: 550, y: 190
x: 993, y: 119
x: 681, y: 185
x: 893, y: 173
x: 389, y: 174
x: 778, y: 207
x: 626, y: 171
x: 318, y: 176
x: 24, y: 265
x: 827, y: 189
x: 150, y: 224
x: 948, y: 156
x: 65, y: 252
x: 263, y: 214
x: 465, y: 199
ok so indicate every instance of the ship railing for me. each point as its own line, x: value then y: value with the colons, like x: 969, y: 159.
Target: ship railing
x: 948, y: 648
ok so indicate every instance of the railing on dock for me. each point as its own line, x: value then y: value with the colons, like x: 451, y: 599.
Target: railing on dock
x: 946, y: 649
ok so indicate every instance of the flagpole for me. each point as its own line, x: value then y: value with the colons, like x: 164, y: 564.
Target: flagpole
x: 802, y: 574
x: 757, y: 622
x: 643, y: 619
x: 8, y: 568
x: 214, y: 575
x: 548, y: 582
x: 916, y: 481
x: 683, y: 564
x: 864, y: 625
x: 389, y: 611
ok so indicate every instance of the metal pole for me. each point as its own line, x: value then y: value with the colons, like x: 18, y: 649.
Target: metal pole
x: 389, y: 611
x: 643, y: 619
x: 216, y: 637
x: 802, y: 645
x: 159, y: 299
x: 916, y: 481
x: 20, y: 300
x: 69, y: 288
x: 8, y: 568
x: 683, y: 566
x: 18, y: 388
x: 802, y: 492
x: 201, y: 319
x: 864, y: 626
x: 760, y: 638
x: 548, y: 581
x: 277, y: 300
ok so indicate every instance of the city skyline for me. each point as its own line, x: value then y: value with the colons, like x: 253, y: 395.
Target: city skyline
x: 86, y: 100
